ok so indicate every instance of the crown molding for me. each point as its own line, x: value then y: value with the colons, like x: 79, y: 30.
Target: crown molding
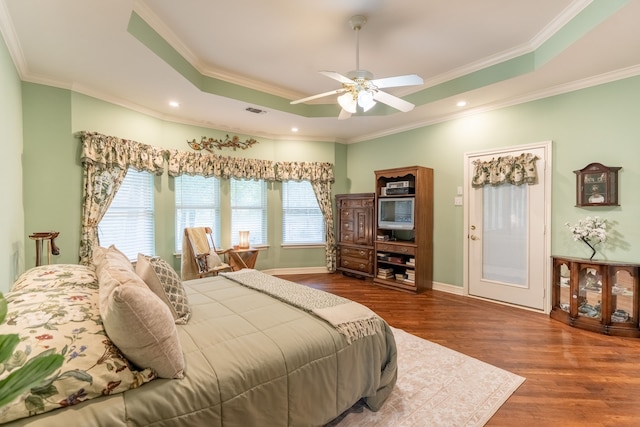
x: 11, y: 39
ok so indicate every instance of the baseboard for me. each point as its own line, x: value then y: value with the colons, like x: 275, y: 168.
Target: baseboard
x: 296, y: 270
x: 445, y: 287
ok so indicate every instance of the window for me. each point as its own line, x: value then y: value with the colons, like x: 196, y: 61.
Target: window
x: 129, y: 221
x: 197, y: 205
x: 249, y: 210
x: 302, y: 220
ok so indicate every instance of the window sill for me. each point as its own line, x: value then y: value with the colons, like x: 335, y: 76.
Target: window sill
x: 303, y: 245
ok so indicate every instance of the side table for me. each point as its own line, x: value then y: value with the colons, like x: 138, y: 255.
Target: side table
x: 243, y: 258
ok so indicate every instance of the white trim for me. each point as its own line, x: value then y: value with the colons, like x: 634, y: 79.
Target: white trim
x: 296, y: 270
x: 450, y: 289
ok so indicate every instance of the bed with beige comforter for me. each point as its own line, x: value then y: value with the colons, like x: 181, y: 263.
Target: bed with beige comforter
x: 251, y: 359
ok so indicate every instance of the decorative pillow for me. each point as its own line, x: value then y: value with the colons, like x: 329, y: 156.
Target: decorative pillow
x: 142, y: 327
x: 54, y: 311
x: 113, y: 255
x: 214, y: 260
x: 163, y: 280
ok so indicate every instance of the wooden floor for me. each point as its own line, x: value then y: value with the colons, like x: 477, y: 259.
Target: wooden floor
x: 573, y: 377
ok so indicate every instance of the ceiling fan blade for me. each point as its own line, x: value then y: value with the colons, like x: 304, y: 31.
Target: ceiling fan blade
x: 408, y: 80
x: 393, y: 101
x: 320, y: 95
x: 344, y: 114
x: 337, y: 76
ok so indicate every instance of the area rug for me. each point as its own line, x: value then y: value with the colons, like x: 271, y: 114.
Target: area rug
x: 437, y: 387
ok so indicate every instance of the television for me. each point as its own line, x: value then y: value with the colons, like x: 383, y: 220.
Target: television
x: 396, y: 213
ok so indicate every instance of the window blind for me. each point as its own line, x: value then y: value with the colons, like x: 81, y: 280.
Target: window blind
x: 249, y: 210
x: 197, y: 204
x: 302, y: 220
x: 129, y: 222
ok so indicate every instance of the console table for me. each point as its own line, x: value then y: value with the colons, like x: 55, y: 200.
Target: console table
x: 600, y: 296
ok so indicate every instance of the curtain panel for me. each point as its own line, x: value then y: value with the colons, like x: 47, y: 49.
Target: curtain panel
x: 516, y: 170
x: 105, y: 161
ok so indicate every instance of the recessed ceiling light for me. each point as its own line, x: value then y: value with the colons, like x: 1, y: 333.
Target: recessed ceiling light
x: 294, y: 129
x: 174, y: 104
x: 462, y: 103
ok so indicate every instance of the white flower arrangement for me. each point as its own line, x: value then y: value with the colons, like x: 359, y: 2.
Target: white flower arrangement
x: 591, y: 230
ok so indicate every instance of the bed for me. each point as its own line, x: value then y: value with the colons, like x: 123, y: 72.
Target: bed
x: 247, y: 357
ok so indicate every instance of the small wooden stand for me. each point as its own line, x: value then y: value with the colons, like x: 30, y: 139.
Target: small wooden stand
x: 39, y: 238
x: 243, y: 258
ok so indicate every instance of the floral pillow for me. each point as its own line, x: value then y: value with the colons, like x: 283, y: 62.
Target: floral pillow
x: 54, y: 312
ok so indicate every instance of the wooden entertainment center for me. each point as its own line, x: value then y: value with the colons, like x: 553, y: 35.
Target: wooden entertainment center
x: 404, y: 257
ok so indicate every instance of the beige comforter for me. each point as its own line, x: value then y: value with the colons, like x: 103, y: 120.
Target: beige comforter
x: 251, y: 360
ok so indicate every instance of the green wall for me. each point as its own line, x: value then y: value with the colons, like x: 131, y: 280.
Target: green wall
x: 597, y: 124
x: 54, y: 118
x: 12, y: 235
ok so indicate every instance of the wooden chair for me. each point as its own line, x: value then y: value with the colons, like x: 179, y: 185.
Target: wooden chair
x: 200, y: 258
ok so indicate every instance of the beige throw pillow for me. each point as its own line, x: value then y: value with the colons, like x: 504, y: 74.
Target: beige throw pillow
x: 141, y: 326
x: 214, y: 260
x: 163, y: 280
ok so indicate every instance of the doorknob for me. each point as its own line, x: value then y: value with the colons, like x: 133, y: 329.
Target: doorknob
x: 474, y: 237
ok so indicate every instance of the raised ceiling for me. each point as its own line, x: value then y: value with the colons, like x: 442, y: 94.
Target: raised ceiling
x: 216, y: 58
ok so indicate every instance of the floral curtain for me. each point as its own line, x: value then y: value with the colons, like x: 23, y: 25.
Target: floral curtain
x: 516, y: 170
x: 105, y: 161
x: 321, y: 177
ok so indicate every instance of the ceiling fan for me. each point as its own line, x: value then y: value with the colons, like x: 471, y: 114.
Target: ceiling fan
x: 360, y: 89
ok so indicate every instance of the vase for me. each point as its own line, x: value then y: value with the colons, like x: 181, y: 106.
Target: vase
x: 593, y: 250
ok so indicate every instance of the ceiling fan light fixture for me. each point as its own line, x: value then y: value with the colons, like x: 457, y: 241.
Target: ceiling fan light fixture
x: 365, y: 100
x: 347, y: 102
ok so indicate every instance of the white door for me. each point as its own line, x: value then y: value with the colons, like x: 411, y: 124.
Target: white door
x: 507, y: 242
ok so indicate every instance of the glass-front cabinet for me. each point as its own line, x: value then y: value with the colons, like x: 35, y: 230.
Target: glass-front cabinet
x: 600, y: 296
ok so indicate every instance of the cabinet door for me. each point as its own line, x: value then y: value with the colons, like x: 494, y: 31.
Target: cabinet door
x: 561, y: 285
x: 590, y: 285
x: 623, y: 309
x: 362, y: 226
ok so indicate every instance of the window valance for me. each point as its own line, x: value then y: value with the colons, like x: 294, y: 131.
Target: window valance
x: 213, y: 165
x: 516, y: 170
x: 108, y: 151
x: 304, y: 171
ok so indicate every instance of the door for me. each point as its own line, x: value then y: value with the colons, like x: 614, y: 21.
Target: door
x: 507, y: 243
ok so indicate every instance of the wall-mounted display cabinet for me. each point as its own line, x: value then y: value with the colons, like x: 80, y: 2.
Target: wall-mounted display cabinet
x: 597, y: 185
x: 600, y: 296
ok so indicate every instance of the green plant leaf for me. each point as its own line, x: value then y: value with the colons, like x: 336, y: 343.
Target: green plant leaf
x: 3, y: 308
x: 32, y: 374
x: 8, y: 343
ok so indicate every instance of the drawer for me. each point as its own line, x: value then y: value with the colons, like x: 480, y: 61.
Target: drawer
x: 355, y: 264
x: 354, y: 203
x: 358, y: 253
x: 398, y: 249
x: 346, y: 236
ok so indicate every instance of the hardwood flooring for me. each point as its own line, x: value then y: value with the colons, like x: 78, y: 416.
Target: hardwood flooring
x: 573, y: 377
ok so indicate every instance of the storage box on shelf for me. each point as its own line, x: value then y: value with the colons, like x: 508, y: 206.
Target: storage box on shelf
x: 600, y: 296
x: 404, y: 228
